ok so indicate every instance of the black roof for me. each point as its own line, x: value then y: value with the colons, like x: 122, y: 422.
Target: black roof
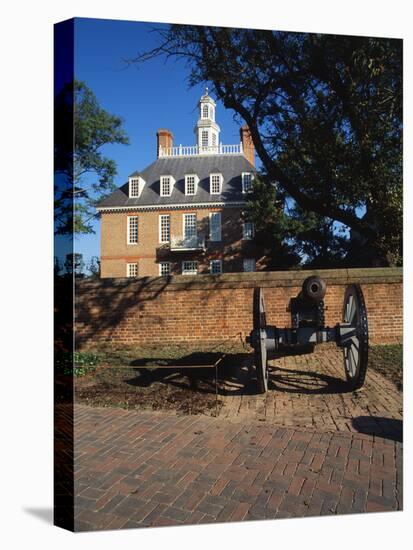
x: 230, y: 166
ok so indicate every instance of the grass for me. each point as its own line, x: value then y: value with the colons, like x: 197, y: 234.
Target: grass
x: 160, y: 353
x: 388, y: 361
x: 78, y: 363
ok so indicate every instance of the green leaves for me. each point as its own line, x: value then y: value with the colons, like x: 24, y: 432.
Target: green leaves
x: 78, y: 363
x: 289, y: 236
x: 84, y: 175
x: 325, y: 114
x: 273, y: 227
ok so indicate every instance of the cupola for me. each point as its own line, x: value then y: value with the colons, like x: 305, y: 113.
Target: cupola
x: 206, y: 129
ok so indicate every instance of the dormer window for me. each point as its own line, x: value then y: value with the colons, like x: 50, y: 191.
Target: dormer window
x: 215, y: 184
x: 135, y: 187
x: 205, y: 111
x: 191, y: 183
x: 247, y: 178
x: 166, y: 185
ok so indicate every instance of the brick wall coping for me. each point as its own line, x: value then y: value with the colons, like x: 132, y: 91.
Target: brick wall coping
x: 264, y: 279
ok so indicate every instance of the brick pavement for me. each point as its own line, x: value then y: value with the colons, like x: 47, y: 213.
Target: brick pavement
x: 309, y: 391
x: 291, y: 453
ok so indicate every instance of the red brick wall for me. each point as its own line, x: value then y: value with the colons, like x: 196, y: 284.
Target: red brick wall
x: 247, y: 144
x: 210, y: 309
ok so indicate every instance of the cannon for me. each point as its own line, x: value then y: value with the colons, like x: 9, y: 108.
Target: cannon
x: 308, y: 328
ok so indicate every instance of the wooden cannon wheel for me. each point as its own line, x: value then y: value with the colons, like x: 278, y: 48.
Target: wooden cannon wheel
x: 354, y: 339
x: 260, y: 350
x: 356, y: 349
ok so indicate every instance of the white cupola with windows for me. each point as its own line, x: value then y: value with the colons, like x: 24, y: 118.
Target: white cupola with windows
x: 206, y: 129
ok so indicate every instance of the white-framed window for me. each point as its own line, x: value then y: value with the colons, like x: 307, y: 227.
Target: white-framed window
x: 215, y: 226
x: 189, y: 267
x: 132, y: 230
x: 214, y: 139
x: 134, y: 187
x: 166, y: 185
x: 249, y: 264
x: 164, y: 228
x: 247, y: 230
x: 204, y: 138
x: 215, y: 181
x: 191, y: 181
x: 164, y: 269
x: 205, y: 111
x: 247, y: 178
x: 189, y: 225
x: 215, y: 266
x: 132, y: 269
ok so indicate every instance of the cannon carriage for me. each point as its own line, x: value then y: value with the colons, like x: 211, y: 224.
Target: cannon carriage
x: 307, y: 311
x: 308, y: 328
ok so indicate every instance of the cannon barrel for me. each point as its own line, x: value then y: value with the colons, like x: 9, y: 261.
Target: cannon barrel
x: 314, y: 289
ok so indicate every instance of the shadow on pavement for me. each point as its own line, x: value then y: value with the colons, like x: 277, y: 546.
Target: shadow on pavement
x: 388, y: 428
x: 305, y: 382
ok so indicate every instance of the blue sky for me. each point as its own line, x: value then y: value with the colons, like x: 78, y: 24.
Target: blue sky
x: 147, y: 97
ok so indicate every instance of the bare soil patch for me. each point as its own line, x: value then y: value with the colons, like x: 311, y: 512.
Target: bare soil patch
x: 156, y: 379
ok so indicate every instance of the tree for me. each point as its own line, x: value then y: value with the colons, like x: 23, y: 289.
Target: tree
x: 57, y: 266
x: 84, y: 176
x: 325, y: 115
x: 93, y: 267
x: 273, y: 229
x: 290, y: 237
x: 74, y: 264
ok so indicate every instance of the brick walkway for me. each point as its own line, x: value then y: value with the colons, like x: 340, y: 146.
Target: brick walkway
x: 309, y: 391
x: 143, y: 469
x: 306, y: 449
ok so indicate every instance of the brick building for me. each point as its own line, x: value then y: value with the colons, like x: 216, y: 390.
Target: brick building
x: 182, y: 214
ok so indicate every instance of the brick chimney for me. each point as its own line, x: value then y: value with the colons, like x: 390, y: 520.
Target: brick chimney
x: 164, y: 139
x: 247, y: 144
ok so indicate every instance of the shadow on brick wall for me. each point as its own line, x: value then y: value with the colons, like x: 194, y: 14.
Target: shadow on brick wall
x: 100, y: 307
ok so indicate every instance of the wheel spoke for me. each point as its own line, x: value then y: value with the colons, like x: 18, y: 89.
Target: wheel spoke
x: 264, y: 361
x: 349, y: 362
x: 347, y: 317
x: 346, y: 360
x: 262, y: 312
x: 355, y: 342
x: 261, y: 364
x: 354, y: 356
x: 352, y: 309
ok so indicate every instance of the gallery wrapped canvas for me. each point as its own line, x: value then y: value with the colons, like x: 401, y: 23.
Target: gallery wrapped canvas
x: 228, y: 274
